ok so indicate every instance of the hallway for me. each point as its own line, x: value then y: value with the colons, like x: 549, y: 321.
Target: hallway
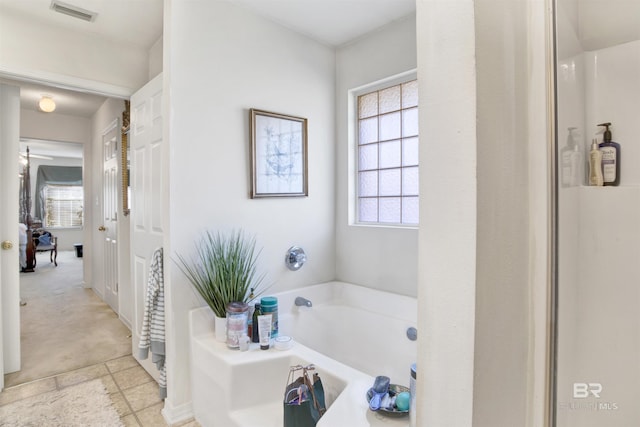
x: 64, y: 326
x: 70, y: 336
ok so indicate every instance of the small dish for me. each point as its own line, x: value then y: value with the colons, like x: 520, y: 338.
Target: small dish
x: 283, y: 342
x: 393, y: 390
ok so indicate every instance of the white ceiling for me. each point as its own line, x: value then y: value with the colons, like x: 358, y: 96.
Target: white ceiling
x: 333, y: 22
x: 606, y: 23
x: 137, y: 22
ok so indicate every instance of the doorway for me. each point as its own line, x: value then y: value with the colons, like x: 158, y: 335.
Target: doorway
x: 65, y: 325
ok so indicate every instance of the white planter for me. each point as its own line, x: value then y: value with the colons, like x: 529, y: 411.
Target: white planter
x: 220, y: 327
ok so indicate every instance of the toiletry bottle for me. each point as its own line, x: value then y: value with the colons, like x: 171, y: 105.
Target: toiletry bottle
x: 595, y: 164
x: 610, y: 158
x: 254, y: 332
x: 571, y: 159
x: 251, y: 302
x: 269, y: 305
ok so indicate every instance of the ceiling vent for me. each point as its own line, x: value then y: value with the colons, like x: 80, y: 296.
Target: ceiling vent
x: 71, y: 10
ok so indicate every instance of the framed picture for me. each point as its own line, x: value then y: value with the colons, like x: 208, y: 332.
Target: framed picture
x: 278, y: 155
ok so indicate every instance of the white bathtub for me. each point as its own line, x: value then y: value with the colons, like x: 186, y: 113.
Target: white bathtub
x: 360, y: 327
x: 351, y: 334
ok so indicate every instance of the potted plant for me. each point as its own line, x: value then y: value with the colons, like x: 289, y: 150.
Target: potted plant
x: 223, y: 270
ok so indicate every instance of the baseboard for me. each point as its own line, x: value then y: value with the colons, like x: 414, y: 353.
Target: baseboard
x: 177, y: 414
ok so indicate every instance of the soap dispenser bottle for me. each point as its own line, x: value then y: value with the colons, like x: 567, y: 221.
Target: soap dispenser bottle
x: 571, y: 158
x: 595, y: 164
x: 610, y: 158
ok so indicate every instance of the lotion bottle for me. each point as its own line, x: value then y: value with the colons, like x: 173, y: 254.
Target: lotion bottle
x: 571, y: 158
x: 610, y: 158
x: 595, y: 164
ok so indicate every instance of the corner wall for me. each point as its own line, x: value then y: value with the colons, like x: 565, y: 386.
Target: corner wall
x: 235, y: 61
x: 503, y: 288
x: 483, y: 237
x: 377, y: 257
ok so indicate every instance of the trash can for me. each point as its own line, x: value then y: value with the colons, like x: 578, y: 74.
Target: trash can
x: 78, y: 247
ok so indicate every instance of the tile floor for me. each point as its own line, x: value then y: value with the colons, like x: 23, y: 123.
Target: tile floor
x: 133, y: 392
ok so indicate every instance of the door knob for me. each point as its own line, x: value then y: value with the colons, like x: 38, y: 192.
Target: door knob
x: 6, y: 245
x: 102, y: 228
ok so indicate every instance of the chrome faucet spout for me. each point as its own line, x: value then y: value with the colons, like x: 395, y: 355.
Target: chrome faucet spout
x: 300, y: 301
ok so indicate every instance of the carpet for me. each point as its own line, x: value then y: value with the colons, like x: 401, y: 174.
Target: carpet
x: 64, y: 326
x: 86, y: 404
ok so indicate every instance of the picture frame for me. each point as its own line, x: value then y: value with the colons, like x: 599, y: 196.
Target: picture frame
x: 278, y: 155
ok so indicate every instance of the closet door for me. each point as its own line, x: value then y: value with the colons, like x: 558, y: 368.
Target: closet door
x: 109, y: 227
x: 148, y: 190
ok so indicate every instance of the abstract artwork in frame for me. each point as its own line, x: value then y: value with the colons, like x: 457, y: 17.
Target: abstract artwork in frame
x: 278, y: 155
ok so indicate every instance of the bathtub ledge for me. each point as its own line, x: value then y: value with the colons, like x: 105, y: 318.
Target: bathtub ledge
x: 219, y: 371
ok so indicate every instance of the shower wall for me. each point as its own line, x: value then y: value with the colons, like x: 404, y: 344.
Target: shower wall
x: 598, y: 369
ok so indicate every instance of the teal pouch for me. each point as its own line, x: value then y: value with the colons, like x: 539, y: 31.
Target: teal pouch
x: 304, y: 401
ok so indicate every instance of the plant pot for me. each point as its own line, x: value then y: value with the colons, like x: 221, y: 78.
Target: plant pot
x: 220, y: 327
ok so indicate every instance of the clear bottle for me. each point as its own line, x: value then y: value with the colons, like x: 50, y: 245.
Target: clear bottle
x: 571, y: 158
x: 237, y: 320
x: 595, y: 165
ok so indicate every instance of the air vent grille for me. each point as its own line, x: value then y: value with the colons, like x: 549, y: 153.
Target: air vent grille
x: 74, y: 11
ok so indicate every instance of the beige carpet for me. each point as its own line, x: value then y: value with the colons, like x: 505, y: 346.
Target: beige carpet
x: 64, y: 326
x: 86, y: 404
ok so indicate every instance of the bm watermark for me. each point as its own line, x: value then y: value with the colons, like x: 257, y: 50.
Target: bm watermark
x: 584, y: 390
x: 590, y: 391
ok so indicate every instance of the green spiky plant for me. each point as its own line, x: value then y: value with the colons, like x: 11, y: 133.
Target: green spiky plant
x: 223, y: 269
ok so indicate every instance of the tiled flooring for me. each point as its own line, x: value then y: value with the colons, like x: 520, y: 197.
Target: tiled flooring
x: 133, y: 392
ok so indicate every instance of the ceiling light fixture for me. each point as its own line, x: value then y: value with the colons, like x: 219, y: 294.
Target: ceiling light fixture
x: 46, y: 104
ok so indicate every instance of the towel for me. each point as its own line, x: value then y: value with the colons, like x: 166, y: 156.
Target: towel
x: 152, y: 334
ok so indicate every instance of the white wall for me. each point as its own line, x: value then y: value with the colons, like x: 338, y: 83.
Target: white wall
x: 482, y: 240
x: 46, y: 50
x: 447, y: 236
x: 236, y: 61
x: 155, y: 59
x: 378, y: 257
x: 598, y: 241
x: 503, y: 304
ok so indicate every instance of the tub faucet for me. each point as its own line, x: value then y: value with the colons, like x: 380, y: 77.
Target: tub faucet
x: 303, y: 302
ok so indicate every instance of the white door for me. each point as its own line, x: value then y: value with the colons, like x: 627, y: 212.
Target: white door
x: 109, y: 227
x: 148, y: 190
x: 9, y: 271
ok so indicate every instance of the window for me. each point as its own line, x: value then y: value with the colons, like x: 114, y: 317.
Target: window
x: 387, y: 157
x: 63, y: 206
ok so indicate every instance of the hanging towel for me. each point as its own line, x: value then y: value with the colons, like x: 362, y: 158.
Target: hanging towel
x: 152, y: 335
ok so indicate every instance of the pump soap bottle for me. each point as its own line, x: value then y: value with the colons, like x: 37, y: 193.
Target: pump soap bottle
x: 610, y: 158
x: 595, y: 165
x: 571, y: 158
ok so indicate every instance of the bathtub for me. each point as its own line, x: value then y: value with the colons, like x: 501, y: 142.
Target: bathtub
x: 351, y: 334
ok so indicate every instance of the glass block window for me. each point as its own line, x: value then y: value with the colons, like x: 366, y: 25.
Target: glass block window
x: 63, y: 206
x: 387, y: 157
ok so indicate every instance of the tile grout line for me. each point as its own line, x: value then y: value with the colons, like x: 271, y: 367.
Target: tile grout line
x: 124, y: 397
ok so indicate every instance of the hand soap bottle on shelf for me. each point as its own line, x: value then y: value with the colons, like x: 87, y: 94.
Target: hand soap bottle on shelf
x: 572, y: 158
x: 610, y: 158
x: 595, y: 165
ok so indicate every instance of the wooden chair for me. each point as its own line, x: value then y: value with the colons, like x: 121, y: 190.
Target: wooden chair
x: 51, y: 247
